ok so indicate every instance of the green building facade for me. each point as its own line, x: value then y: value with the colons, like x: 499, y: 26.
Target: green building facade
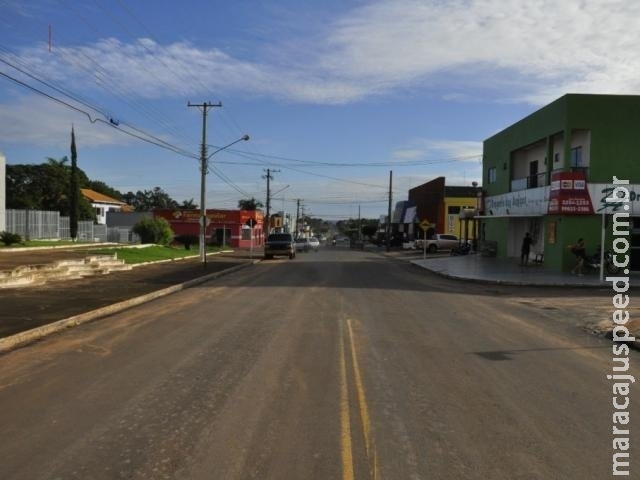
x: 549, y: 174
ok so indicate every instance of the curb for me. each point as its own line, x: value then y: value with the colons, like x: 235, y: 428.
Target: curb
x: 23, y: 338
x: 511, y: 283
x: 56, y: 247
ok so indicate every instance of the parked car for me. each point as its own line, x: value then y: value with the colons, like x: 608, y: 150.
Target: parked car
x: 439, y: 241
x: 302, y: 244
x: 408, y: 245
x: 279, y: 244
x: 314, y: 244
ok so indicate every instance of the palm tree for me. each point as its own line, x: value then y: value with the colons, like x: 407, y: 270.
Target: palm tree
x: 250, y: 204
x: 189, y: 204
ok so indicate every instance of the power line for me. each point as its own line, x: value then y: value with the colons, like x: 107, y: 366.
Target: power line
x: 359, y: 164
x: 92, y: 119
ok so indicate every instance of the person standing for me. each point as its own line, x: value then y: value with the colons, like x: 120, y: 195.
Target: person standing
x: 580, y: 251
x: 525, y: 249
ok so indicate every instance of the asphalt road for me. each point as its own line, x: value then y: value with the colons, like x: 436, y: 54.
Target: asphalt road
x: 336, y: 365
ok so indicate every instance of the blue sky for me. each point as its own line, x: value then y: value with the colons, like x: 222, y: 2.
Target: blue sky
x: 334, y: 94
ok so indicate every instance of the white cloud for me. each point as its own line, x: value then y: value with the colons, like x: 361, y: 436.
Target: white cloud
x: 29, y: 120
x: 538, y: 50
x: 547, y: 47
x: 439, y: 150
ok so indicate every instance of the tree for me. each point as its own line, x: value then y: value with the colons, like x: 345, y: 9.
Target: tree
x: 45, y: 187
x: 351, y: 227
x: 101, y: 187
x: 189, y: 204
x: 74, y: 190
x: 154, y: 230
x: 318, y: 225
x: 145, y: 201
x: 250, y: 204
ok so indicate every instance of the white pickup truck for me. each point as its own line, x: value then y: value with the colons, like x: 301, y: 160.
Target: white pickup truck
x: 439, y: 241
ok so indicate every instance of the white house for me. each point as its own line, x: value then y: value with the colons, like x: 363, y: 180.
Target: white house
x: 103, y: 204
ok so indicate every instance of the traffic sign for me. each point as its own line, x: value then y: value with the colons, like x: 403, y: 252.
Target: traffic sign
x: 251, y: 222
x: 425, y: 224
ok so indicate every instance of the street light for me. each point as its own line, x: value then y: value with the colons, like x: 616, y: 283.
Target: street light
x: 204, y: 167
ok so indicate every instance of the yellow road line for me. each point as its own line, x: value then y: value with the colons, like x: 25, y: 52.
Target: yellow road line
x: 345, y: 419
x: 364, y: 408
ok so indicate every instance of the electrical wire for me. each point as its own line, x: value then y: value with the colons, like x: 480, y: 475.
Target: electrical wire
x: 94, y: 119
x: 360, y: 164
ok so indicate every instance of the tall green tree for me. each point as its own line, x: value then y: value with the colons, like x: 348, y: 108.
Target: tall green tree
x: 74, y: 189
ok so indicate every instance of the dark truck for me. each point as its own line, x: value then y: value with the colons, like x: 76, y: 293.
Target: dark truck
x: 279, y: 244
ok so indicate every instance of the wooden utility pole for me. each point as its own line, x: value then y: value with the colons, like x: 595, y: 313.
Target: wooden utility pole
x: 268, y: 176
x: 389, y: 211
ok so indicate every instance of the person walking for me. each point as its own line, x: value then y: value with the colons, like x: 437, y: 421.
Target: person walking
x: 580, y: 252
x: 525, y: 249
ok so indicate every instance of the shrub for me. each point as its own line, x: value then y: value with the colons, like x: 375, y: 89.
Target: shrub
x: 154, y: 230
x: 9, y: 238
x: 187, y: 240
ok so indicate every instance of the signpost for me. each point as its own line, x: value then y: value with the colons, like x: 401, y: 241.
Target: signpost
x: 250, y: 223
x: 424, y: 225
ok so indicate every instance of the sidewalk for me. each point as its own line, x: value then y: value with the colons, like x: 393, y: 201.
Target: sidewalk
x: 508, y: 272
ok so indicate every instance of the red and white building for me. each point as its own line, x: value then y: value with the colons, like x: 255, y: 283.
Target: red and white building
x: 228, y: 227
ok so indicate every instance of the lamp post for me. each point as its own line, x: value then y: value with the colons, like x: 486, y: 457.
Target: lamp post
x: 204, y: 167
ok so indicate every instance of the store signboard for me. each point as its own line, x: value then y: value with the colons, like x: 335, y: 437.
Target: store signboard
x: 569, y: 194
x: 599, y: 193
x: 531, y: 202
x: 536, y: 201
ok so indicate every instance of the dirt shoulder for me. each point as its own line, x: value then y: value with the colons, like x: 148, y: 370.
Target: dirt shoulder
x: 25, y: 308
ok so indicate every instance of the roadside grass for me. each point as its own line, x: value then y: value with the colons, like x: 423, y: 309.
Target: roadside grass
x: 153, y: 253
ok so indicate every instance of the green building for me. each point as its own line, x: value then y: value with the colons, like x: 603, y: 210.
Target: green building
x: 550, y: 173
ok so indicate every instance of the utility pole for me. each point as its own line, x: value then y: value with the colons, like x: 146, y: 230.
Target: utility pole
x: 389, y: 212
x: 204, y: 167
x: 297, y: 215
x: 269, y: 178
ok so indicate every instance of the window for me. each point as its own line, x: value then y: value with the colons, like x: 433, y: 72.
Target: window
x: 453, y: 210
x: 556, y: 157
x: 576, y: 157
x: 493, y: 175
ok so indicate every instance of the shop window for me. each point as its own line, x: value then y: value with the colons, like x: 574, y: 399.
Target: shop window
x: 493, y: 175
x: 576, y: 157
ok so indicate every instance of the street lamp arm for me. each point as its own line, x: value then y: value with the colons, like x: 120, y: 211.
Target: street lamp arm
x: 244, y: 138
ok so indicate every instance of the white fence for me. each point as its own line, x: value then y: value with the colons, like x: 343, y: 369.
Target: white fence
x: 33, y: 224
x: 43, y: 225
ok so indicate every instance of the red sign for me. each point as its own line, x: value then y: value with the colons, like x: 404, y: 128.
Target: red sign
x: 569, y: 194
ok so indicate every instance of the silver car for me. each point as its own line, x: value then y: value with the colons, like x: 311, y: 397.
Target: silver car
x: 314, y: 244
